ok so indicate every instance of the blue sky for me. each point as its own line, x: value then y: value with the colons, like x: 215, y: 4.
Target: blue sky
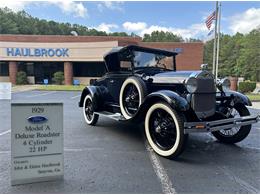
x: 184, y: 18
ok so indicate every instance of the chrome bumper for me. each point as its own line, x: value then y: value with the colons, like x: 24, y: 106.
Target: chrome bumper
x: 209, y: 126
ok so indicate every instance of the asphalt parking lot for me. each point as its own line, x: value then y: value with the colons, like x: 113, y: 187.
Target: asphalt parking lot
x: 114, y: 157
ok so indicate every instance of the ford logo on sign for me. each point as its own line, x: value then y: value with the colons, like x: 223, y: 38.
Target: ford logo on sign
x: 37, y: 119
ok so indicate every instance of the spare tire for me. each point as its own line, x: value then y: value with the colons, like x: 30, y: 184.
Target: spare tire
x: 132, y: 94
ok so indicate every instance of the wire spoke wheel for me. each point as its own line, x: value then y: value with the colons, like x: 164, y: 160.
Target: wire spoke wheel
x: 162, y: 128
x: 90, y: 117
x: 89, y: 109
x: 131, y: 100
x: 232, y: 113
x: 235, y: 134
x: 132, y: 94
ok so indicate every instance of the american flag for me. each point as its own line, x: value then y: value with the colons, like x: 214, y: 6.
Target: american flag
x: 210, y: 19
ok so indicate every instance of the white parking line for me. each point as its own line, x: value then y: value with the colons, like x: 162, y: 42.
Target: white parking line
x: 81, y: 149
x: 66, y: 150
x: 211, y: 136
x: 5, y: 132
x: 250, y: 147
x: 42, y: 94
x: 242, y: 183
x: 167, y: 187
x: 75, y: 96
x: 5, y: 152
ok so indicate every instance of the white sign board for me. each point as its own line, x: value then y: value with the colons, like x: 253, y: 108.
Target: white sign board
x: 5, y: 90
x: 37, y: 142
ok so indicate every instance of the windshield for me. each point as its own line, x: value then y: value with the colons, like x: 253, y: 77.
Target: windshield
x: 144, y: 59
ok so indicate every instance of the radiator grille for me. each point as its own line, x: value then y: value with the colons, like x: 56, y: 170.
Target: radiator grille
x: 203, y: 100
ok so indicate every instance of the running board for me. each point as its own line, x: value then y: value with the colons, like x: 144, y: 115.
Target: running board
x: 115, y: 116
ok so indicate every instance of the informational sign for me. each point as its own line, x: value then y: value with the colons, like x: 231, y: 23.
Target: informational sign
x: 5, y: 90
x: 36, y: 142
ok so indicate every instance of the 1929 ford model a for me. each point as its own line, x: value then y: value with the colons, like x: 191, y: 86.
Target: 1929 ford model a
x: 142, y: 85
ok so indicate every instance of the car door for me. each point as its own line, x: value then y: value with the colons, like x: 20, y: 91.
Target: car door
x: 116, y: 79
x: 114, y: 83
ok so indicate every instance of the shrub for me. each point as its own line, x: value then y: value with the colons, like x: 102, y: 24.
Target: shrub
x: 21, y: 78
x: 247, y: 86
x: 58, y: 78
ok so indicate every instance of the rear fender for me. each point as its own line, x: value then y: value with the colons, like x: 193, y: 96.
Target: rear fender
x: 97, y: 94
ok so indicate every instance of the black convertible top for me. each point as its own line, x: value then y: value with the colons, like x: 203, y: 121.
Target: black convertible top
x: 141, y: 49
x: 112, y: 57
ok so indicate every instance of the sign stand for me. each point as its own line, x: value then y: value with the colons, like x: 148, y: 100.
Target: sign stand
x: 36, y: 142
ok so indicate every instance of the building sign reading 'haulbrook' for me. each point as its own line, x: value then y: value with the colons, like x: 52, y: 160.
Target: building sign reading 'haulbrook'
x: 37, y: 52
x: 37, y: 142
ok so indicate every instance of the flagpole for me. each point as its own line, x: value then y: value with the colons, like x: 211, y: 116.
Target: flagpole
x: 219, y: 12
x: 215, y: 40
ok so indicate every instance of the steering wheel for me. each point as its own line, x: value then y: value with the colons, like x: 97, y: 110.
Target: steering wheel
x: 161, y: 64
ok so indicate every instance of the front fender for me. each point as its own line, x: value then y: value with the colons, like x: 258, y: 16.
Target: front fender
x: 173, y: 99
x: 97, y: 94
x: 239, y: 98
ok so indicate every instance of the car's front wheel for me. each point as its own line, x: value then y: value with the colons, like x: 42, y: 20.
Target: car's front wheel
x: 235, y: 134
x: 90, y: 117
x: 164, y: 130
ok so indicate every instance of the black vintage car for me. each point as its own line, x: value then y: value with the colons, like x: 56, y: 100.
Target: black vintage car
x: 143, y: 85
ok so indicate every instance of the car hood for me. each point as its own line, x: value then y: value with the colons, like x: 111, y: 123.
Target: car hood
x: 172, y: 76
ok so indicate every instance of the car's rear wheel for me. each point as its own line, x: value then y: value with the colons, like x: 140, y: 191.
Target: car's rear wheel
x: 90, y: 117
x: 164, y: 130
x: 235, y: 134
x: 132, y: 94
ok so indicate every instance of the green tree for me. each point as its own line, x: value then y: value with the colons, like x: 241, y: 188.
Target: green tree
x: 191, y: 40
x: 161, y: 36
x: 58, y: 77
x: 21, y: 78
x: 23, y: 23
x: 239, y: 55
x: 7, y: 25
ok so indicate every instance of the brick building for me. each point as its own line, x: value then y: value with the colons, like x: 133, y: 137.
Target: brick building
x: 80, y: 57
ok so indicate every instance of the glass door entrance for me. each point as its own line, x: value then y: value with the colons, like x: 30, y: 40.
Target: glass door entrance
x: 46, y: 70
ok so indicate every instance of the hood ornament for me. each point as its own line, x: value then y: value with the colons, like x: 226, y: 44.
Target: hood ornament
x: 204, y: 66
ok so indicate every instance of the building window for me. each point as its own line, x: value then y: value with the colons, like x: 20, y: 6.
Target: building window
x: 30, y: 69
x: 4, y: 69
x: 27, y: 67
x: 88, y: 69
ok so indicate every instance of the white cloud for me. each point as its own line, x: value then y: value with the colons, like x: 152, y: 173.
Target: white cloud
x: 106, y: 27
x: 193, y: 31
x: 115, y: 5
x: 134, y: 26
x: 14, y: 5
x: 246, y: 21
x: 77, y: 9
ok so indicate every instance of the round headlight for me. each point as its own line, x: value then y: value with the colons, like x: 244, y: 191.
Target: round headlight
x: 191, y: 84
x: 225, y: 83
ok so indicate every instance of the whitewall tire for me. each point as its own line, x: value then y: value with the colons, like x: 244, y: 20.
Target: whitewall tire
x: 140, y: 92
x: 165, y: 124
x: 90, y: 117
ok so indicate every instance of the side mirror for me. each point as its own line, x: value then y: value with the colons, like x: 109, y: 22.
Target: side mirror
x: 204, y: 66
